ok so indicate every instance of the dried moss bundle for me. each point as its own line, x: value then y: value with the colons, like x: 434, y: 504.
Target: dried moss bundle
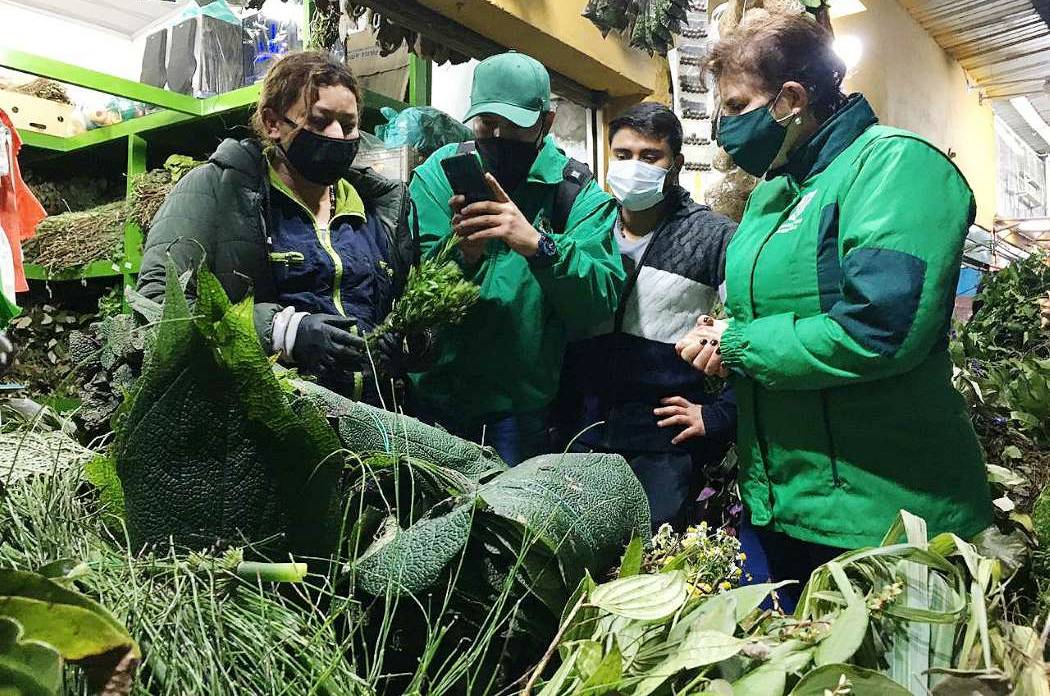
x: 43, y: 88
x: 152, y: 188
x: 147, y: 196
x: 75, y: 239
x: 74, y: 194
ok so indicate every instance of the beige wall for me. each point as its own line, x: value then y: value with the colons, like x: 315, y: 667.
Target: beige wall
x: 554, y: 32
x: 913, y: 84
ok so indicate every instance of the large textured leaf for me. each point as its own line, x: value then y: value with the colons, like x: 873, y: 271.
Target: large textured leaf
x: 27, y: 668
x: 365, y: 429
x: 643, y: 597
x: 586, y: 507
x: 862, y: 682
x: 209, y: 449
x: 410, y: 561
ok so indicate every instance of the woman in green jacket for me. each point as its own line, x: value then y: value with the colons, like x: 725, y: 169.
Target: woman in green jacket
x: 841, y: 281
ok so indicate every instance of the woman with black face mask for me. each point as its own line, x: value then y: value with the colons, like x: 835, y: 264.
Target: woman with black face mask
x: 323, y: 247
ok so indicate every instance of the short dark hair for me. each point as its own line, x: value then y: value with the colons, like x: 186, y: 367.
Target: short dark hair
x: 652, y: 120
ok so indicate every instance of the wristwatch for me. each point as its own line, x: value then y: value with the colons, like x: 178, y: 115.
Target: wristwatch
x: 546, y: 251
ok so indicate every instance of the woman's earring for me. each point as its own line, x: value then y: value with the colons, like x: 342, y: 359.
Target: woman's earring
x: 798, y: 120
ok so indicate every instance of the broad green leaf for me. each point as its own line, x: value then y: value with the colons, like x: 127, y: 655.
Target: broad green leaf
x: 767, y: 680
x: 584, y: 507
x: 631, y: 563
x: 78, y: 627
x: 588, y: 657
x: 209, y: 448
x: 715, y: 614
x: 557, y: 683
x: 847, y: 633
x: 862, y: 682
x: 607, y: 676
x: 642, y: 597
x: 27, y: 668
x: 699, y: 649
x: 743, y: 599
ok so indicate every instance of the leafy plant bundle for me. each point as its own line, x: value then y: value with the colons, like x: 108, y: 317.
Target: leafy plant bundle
x: 436, y: 295
x: 650, y: 25
x: 215, y: 446
x: 918, y: 616
x: 1006, y: 324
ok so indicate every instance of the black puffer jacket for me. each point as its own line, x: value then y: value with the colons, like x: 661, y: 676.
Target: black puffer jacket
x: 220, y: 213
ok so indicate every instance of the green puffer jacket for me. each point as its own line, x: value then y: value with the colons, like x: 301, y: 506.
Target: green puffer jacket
x: 841, y: 280
x: 219, y: 212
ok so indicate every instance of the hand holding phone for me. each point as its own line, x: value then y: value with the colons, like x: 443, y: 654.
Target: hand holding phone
x: 466, y: 177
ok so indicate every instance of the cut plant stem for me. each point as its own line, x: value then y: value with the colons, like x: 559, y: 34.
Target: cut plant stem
x: 271, y: 572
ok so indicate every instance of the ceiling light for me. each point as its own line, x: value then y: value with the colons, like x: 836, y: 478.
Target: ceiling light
x: 850, y: 50
x: 844, y: 8
x: 1031, y: 117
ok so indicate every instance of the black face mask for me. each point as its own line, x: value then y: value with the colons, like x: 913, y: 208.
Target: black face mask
x: 319, y: 159
x: 508, y: 160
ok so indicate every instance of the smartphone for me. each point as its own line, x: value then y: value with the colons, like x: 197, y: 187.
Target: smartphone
x: 465, y: 175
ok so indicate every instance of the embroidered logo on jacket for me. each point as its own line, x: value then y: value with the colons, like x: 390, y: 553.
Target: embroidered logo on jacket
x: 795, y: 219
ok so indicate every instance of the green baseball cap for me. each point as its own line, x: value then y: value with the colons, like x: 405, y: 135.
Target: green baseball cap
x: 511, y: 85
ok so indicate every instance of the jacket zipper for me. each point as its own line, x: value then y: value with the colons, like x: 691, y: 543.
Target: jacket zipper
x: 760, y: 436
x: 324, y: 237
x: 832, y: 453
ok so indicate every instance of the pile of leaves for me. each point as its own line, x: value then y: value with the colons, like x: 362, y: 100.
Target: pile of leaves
x: 42, y: 360
x: 43, y: 88
x: 74, y: 193
x: 72, y: 240
x: 214, y: 448
x: 649, y: 25
x: 915, y: 615
x: 1002, y: 366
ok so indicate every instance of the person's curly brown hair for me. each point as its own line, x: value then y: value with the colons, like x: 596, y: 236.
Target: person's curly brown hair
x: 774, y: 48
x: 297, y: 76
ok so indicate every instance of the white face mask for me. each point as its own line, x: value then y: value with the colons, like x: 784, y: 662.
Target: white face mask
x: 636, y: 184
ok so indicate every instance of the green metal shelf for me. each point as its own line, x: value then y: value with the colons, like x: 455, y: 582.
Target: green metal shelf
x: 178, y: 110
x: 96, y: 269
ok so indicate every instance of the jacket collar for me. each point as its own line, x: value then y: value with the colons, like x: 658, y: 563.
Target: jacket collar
x: 347, y: 200
x: 549, y: 167
x: 831, y: 140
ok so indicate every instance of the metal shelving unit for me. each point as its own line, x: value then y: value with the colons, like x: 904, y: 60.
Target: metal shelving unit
x: 177, y: 111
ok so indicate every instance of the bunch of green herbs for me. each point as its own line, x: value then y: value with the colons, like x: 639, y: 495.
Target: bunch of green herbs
x: 436, y: 295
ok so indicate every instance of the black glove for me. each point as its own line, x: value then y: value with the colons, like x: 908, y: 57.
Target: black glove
x: 396, y: 354
x: 324, y: 346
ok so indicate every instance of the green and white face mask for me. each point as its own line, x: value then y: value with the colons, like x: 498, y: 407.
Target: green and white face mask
x: 754, y: 139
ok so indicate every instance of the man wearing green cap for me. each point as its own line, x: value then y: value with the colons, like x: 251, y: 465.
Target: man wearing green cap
x: 541, y: 251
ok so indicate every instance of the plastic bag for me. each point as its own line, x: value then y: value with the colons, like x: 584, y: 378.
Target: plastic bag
x: 423, y: 128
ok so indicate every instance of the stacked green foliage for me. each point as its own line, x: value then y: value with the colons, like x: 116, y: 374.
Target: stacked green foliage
x: 1002, y: 361
x: 916, y: 616
x: 216, y: 447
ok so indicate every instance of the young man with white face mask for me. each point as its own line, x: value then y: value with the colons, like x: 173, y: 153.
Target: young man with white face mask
x: 656, y: 414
